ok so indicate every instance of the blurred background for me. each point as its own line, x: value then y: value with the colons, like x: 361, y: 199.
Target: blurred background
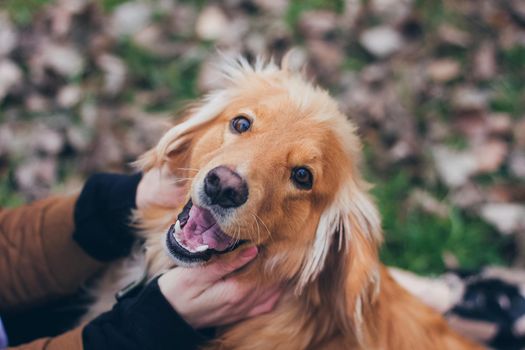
x: 436, y: 87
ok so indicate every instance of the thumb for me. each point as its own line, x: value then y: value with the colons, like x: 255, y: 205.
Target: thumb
x: 219, y: 269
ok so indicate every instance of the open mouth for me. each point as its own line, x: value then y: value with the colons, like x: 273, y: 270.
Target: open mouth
x: 196, y: 236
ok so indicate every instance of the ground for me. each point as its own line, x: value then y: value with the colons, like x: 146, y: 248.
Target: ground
x: 436, y: 88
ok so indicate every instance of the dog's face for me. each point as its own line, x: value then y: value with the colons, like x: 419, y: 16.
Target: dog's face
x: 271, y: 162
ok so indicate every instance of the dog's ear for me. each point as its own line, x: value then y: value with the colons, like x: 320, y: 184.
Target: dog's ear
x: 343, y: 265
x: 361, y: 261
x: 174, y: 147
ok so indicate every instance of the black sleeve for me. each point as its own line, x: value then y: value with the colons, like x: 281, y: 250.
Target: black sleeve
x: 146, y: 322
x: 102, y: 215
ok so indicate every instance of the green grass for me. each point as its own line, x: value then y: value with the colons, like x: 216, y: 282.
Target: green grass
x: 110, y: 5
x: 8, y: 195
x: 178, y: 77
x: 414, y: 240
x: 508, y: 90
x: 508, y: 96
x: 296, y: 7
x: 22, y: 11
x: 356, y: 58
x: 456, y: 141
x: 433, y: 13
x: 417, y: 241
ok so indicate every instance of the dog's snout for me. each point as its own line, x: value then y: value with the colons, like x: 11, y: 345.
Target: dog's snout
x: 225, y: 187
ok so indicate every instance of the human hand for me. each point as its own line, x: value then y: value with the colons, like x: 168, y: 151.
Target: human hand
x: 159, y: 187
x: 205, y: 299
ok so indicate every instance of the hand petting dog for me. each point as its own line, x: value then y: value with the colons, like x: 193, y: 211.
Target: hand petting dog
x: 204, y: 298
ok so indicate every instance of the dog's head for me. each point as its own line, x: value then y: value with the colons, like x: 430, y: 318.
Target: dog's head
x: 270, y: 161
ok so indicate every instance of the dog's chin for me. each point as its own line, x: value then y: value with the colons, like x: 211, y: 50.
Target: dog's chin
x: 196, y: 237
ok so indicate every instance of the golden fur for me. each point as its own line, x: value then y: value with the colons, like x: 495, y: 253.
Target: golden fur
x: 321, y: 244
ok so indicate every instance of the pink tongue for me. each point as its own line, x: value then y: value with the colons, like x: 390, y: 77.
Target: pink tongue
x: 202, y: 229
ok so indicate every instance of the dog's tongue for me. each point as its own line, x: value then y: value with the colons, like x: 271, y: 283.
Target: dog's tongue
x: 201, y: 230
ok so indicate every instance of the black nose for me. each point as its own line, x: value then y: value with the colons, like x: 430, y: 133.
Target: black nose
x: 225, y: 187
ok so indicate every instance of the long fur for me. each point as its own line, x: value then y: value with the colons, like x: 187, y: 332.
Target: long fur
x: 322, y: 246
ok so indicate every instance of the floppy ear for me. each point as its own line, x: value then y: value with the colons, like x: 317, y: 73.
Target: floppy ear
x: 343, y: 265
x: 174, y: 147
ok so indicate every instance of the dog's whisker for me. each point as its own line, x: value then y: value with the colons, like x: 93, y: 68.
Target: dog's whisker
x: 181, y: 179
x: 252, y: 236
x: 262, y: 222
x: 258, y: 227
x: 190, y: 169
x: 238, y: 233
x: 252, y: 225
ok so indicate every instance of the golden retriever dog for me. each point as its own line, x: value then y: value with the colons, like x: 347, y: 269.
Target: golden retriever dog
x: 269, y: 160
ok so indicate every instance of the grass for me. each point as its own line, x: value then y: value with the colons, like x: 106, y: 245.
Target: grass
x: 417, y: 240
x: 110, y: 5
x: 414, y: 239
x: 296, y: 7
x: 22, y: 11
x: 8, y: 196
x: 149, y: 72
x: 508, y: 90
x: 433, y: 13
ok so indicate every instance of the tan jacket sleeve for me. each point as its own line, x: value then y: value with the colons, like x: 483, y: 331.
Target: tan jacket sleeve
x: 39, y: 260
x: 71, y: 340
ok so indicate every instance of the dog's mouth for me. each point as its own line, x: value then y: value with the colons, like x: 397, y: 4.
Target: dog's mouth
x: 196, y: 236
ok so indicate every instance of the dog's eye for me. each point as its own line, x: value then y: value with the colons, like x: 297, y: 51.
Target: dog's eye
x: 302, y: 177
x: 241, y: 124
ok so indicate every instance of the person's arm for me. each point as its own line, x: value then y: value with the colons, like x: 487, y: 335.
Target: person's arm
x: 145, y: 321
x: 71, y: 340
x: 167, y: 313
x: 38, y: 258
x: 50, y: 247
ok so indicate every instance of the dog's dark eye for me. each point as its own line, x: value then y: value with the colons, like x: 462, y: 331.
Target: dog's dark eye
x: 241, y: 124
x: 302, y: 178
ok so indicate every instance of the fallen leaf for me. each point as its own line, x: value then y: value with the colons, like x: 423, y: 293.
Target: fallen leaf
x: 8, y: 35
x: 443, y: 70
x: 454, y: 36
x: 63, y: 59
x: 500, y: 124
x: 466, y: 98
x: 454, y: 167
x: 130, y: 17
x: 318, y: 24
x: 517, y: 163
x: 381, y: 41
x: 69, y: 96
x: 10, y: 76
x: 490, y: 155
x: 485, y: 66
x: 115, y: 73
x: 507, y: 217
x: 212, y: 23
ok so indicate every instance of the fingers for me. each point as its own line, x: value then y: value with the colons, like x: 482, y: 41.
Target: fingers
x: 219, y: 269
x: 160, y: 187
x: 252, y: 304
x: 266, y: 306
x: 251, y: 296
x: 244, y: 297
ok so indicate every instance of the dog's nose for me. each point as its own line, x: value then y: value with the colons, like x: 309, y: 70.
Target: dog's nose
x: 225, y: 187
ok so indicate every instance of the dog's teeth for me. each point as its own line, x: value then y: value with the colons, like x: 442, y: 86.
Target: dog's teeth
x: 201, y: 248
x: 177, y: 230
